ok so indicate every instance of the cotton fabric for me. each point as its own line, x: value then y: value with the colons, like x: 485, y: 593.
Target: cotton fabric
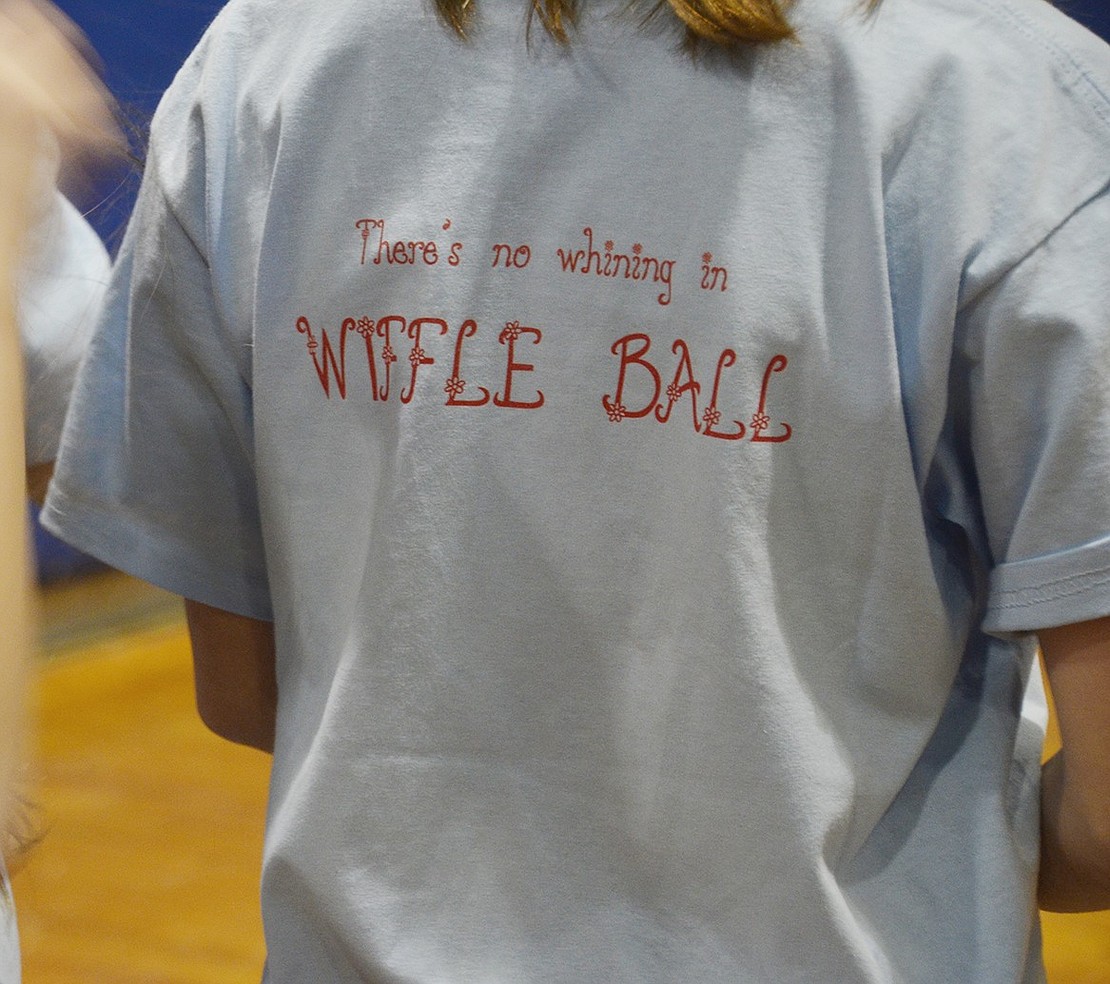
x: 653, y: 468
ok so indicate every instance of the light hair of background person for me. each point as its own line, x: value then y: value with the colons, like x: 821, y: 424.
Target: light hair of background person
x: 49, y: 102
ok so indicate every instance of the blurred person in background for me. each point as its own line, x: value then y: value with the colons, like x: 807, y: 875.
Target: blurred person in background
x: 53, y: 270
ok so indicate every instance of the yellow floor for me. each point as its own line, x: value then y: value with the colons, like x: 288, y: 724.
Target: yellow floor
x: 1077, y: 947
x: 147, y: 871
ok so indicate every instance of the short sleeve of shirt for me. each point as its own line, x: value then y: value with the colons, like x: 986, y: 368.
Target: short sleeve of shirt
x: 156, y: 471
x: 1039, y: 394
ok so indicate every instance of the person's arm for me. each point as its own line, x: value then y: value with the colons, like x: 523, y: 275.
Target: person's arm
x: 236, y: 681
x: 1075, y: 794
x: 38, y: 478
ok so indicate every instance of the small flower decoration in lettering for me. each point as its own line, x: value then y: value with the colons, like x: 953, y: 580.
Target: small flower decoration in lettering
x: 674, y: 392
x: 711, y: 417
x: 364, y: 326
x: 609, y: 245
x: 637, y: 248
x: 616, y: 411
x: 416, y: 356
x: 707, y: 258
x: 760, y: 422
x: 454, y: 386
x: 388, y: 355
x: 512, y: 331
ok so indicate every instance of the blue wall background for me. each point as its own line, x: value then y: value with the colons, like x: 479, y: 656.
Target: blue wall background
x: 142, y: 43
x: 1094, y: 13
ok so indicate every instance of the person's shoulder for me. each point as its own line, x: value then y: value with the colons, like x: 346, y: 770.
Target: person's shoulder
x: 243, y: 30
x: 1036, y: 26
x: 992, y: 117
x: 214, y: 76
x: 994, y: 71
x: 997, y: 39
x: 266, y: 44
x: 1039, y: 35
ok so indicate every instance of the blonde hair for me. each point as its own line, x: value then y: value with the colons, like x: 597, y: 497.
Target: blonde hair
x: 51, y: 105
x: 722, y: 22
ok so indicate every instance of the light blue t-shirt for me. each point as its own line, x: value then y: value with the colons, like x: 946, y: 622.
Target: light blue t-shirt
x: 653, y: 467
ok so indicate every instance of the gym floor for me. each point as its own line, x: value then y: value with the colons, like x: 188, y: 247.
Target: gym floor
x: 151, y: 827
